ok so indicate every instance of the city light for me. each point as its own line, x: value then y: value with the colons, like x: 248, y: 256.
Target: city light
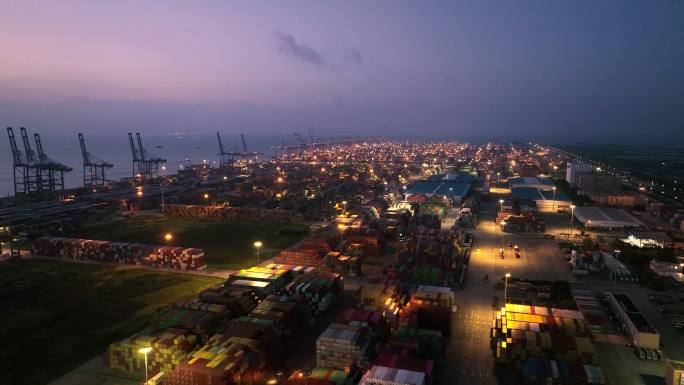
x: 168, y: 236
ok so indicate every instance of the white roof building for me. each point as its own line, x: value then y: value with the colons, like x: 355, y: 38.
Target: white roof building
x: 604, y: 217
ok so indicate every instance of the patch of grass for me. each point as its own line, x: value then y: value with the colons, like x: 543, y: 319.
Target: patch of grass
x: 226, y: 244
x: 57, y: 315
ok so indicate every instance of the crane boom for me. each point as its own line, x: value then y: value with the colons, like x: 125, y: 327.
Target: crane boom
x: 133, y: 151
x: 30, y: 155
x: 140, y: 146
x: 16, y: 153
x: 39, y: 147
x: 84, y: 152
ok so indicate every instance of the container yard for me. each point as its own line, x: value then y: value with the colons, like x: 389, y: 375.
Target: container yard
x: 369, y: 294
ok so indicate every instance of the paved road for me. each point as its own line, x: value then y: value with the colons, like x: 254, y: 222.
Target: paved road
x: 468, y: 354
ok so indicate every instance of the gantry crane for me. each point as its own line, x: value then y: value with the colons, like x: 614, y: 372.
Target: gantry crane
x: 144, y: 165
x: 34, y: 173
x: 229, y: 157
x: 93, y: 168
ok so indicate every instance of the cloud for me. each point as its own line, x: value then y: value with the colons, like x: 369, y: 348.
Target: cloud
x: 353, y: 56
x: 289, y: 46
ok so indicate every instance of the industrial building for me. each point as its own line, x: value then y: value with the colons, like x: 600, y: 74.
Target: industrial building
x: 451, y: 186
x: 605, y: 218
x: 575, y: 170
x: 545, y: 184
x: 546, y: 201
x: 599, y: 183
x: 667, y: 269
x: 640, y: 331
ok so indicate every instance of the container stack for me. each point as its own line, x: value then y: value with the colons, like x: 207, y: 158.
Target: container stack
x: 391, y: 376
x: 589, y: 306
x: 522, y: 332
x: 371, y: 243
x: 239, y: 301
x: 407, y: 362
x: 374, y: 294
x: 265, y: 337
x: 280, y: 310
x: 221, y: 361
x: 342, y: 346
x: 200, y: 323
x: 176, y: 258
x: 373, y: 318
x: 294, y: 270
x: 317, y: 291
x: 121, y: 252
x: 309, y: 252
x: 169, y: 348
x: 421, y: 343
x: 231, y: 214
x: 274, y: 278
x: 544, y: 371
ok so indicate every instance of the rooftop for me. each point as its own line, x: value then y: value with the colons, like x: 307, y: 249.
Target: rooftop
x: 535, y: 194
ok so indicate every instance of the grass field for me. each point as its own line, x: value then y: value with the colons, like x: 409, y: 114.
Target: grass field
x: 56, y: 315
x: 226, y: 245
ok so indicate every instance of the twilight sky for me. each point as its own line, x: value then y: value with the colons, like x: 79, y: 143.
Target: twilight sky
x: 580, y: 70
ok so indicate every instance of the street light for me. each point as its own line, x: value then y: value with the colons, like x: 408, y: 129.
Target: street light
x: 341, y: 227
x: 168, y: 237
x: 507, y: 275
x: 258, y: 245
x: 554, y: 198
x: 145, y: 351
x: 572, y: 217
x: 501, y: 202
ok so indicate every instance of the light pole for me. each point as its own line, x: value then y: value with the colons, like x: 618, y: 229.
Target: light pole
x: 162, y: 198
x: 572, y: 217
x: 498, y: 180
x: 554, y: 198
x: 501, y: 202
x: 503, y: 223
x: 168, y: 237
x: 341, y: 227
x: 507, y: 275
x: 258, y: 245
x: 145, y: 351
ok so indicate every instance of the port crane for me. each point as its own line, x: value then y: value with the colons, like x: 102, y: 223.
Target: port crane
x: 145, y: 165
x: 34, y: 172
x: 93, y: 168
x: 229, y: 157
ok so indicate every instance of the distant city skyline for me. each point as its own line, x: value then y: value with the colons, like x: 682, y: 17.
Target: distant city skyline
x: 610, y: 72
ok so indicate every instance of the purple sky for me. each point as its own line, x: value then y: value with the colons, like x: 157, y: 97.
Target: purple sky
x: 557, y: 71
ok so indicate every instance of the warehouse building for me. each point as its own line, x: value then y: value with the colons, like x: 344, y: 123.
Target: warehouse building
x: 546, y: 201
x: 605, y: 218
x: 640, y: 331
x: 452, y: 186
x: 545, y: 184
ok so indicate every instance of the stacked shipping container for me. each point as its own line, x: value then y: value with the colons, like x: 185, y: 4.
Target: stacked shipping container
x: 121, y: 252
